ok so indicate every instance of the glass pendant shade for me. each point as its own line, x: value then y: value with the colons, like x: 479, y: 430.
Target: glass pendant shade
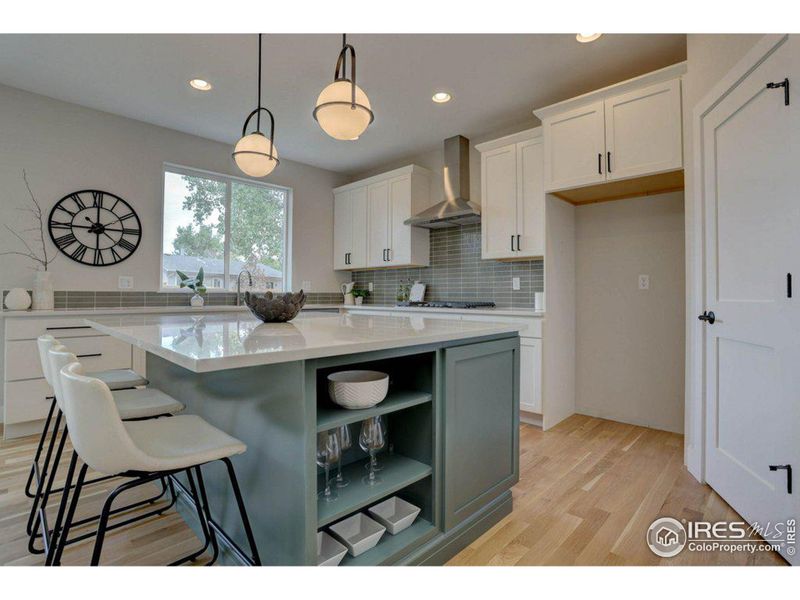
x: 253, y: 157
x: 337, y: 115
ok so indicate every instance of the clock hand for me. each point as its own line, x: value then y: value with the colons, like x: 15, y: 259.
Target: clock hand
x: 87, y: 227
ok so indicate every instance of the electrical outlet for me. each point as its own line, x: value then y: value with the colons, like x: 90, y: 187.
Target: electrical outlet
x: 371, y: 286
x: 306, y: 286
x: 515, y: 284
x: 125, y: 282
x: 644, y: 282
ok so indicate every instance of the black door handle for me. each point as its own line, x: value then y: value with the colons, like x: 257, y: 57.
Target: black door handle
x: 512, y: 243
x: 608, y: 162
x: 599, y: 163
x: 708, y: 316
x: 517, y: 242
x: 388, y: 255
x: 788, y: 469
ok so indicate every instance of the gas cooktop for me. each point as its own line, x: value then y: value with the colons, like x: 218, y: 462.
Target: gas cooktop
x: 449, y: 304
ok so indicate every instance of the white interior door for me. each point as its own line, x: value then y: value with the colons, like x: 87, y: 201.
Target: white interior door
x: 499, y: 202
x: 358, y: 246
x: 530, y: 198
x: 378, y: 211
x: 643, y: 131
x: 574, y: 148
x: 342, y: 229
x: 752, y: 228
x: 399, y: 233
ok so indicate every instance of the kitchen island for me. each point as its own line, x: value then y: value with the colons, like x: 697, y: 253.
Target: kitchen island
x: 451, y: 414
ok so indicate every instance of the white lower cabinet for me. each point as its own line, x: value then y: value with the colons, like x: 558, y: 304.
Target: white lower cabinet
x: 530, y: 375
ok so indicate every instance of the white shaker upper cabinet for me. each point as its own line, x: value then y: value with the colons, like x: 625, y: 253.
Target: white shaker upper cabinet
x: 512, y: 196
x: 349, y: 229
x: 499, y: 202
x: 378, y: 225
x: 400, y: 210
x: 643, y: 131
x: 574, y: 148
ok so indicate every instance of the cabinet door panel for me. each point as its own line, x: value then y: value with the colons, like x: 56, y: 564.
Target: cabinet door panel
x: 342, y: 229
x: 378, y: 211
x: 643, y: 131
x: 358, y: 247
x: 481, y: 425
x: 530, y: 198
x: 530, y: 375
x: 574, y: 148
x: 400, y: 210
x: 499, y: 202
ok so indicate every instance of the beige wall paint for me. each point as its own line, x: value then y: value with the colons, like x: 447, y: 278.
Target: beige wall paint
x: 65, y: 147
x: 709, y: 58
x: 630, y: 342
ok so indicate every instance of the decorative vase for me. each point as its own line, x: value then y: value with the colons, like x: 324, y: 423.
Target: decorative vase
x: 359, y: 300
x: 197, y: 301
x: 43, y: 296
x: 18, y: 299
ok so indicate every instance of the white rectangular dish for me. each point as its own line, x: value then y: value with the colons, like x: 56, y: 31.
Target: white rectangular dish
x: 358, y: 532
x: 329, y: 552
x: 395, y: 514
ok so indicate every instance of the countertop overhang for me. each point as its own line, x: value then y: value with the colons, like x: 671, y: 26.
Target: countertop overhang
x: 214, y: 342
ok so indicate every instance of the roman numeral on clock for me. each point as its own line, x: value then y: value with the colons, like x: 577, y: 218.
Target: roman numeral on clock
x: 97, y: 199
x: 77, y: 200
x: 125, y: 244
x: 127, y: 231
x: 78, y: 253
x: 65, y: 240
x: 98, y: 257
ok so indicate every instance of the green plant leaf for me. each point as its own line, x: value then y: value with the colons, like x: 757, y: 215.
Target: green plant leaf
x: 182, y: 275
x: 200, y: 275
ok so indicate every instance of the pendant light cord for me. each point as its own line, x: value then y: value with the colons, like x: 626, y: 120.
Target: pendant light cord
x: 258, y: 115
x: 344, y: 45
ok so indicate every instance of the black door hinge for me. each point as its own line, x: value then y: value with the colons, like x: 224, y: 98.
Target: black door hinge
x: 773, y: 85
x: 788, y: 469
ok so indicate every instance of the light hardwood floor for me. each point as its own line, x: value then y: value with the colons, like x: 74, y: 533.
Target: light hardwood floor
x: 588, y: 490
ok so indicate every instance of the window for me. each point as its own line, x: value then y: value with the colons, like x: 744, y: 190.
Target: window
x: 224, y: 225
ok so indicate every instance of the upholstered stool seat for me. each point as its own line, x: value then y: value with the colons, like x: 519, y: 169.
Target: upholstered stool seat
x: 120, y: 379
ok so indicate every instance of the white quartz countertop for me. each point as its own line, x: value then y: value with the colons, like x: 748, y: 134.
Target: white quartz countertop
x: 140, y: 310
x: 500, y: 312
x: 214, y: 342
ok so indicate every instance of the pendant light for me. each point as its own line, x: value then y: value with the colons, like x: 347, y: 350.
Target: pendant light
x: 255, y: 154
x: 343, y: 110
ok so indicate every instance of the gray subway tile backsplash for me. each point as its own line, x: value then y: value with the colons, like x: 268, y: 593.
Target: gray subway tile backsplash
x: 458, y: 273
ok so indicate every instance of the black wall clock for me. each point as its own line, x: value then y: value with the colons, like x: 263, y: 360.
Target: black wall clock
x: 95, y: 228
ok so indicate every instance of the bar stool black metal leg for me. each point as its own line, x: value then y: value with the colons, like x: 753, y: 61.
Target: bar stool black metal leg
x: 76, y: 494
x: 207, y: 511
x: 205, y: 526
x: 43, y: 475
x: 50, y: 545
x: 243, y: 512
x: 34, y: 519
x: 35, y: 466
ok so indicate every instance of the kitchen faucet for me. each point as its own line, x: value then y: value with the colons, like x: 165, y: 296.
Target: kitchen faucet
x: 239, y: 285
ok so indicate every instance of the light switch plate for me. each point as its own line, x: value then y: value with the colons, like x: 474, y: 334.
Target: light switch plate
x: 371, y: 287
x: 644, y: 282
x: 125, y: 282
x: 515, y: 283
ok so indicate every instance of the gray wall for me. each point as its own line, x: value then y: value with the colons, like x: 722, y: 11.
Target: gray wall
x: 458, y: 273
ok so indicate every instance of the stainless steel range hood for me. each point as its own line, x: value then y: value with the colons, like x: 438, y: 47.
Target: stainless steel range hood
x: 456, y: 209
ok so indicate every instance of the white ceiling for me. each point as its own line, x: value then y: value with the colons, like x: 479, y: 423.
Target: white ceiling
x: 495, y: 80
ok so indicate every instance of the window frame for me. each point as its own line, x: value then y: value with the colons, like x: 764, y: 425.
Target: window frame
x: 228, y: 180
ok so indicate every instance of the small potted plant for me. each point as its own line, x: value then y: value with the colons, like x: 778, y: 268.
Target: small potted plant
x: 359, y: 296
x: 196, y: 285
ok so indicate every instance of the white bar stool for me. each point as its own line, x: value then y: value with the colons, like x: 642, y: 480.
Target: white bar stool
x: 136, y: 403
x: 144, y: 451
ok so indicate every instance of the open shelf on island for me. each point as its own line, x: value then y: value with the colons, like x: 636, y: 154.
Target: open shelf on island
x: 393, y: 547
x: 398, y: 472
x: 330, y: 415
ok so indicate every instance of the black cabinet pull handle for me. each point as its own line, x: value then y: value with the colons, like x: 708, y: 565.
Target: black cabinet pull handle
x: 774, y: 85
x: 388, y: 255
x: 608, y: 162
x: 788, y: 469
x: 88, y: 355
x: 512, y: 243
x: 788, y: 285
x: 73, y: 327
x: 518, y: 243
x: 599, y: 163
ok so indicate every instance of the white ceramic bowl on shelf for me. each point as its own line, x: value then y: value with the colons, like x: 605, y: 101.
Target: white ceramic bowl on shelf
x: 358, y: 389
x: 329, y: 552
x: 359, y: 533
x: 395, y: 514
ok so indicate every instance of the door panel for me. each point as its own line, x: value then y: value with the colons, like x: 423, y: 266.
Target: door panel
x: 358, y: 247
x: 481, y: 425
x: 530, y: 198
x: 499, y: 202
x: 400, y: 234
x: 342, y: 229
x: 574, y: 148
x: 530, y: 375
x: 753, y: 350
x: 643, y: 131
x: 378, y: 211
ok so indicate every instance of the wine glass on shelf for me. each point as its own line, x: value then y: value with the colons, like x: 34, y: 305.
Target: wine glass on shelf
x: 377, y: 463
x: 345, y: 442
x: 371, y: 440
x: 328, y: 454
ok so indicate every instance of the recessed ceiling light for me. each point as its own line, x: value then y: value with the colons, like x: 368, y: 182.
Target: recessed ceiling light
x: 200, y: 84
x: 585, y: 38
x: 441, y: 97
